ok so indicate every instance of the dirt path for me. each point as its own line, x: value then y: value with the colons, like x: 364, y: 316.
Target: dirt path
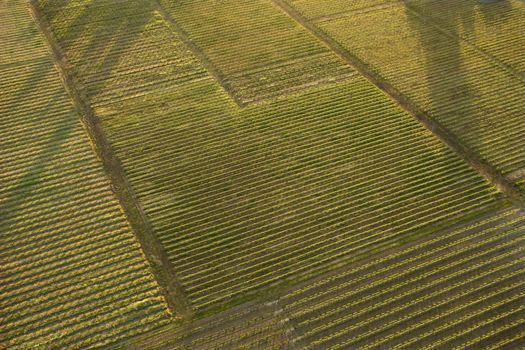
x: 171, y: 288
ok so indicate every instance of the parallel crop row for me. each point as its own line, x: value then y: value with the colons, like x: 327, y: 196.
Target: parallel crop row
x: 19, y: 43
x: 288, y: 77
x: 72, y: 273
x: 242, y: 199
x: 316, y: 10
x: 467, y: 91
x: 461, y: 288
x: 240, y: 37
x: 251, y: 326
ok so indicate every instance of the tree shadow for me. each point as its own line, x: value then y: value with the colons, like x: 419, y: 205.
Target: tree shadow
x: 495, y: 11
x: 99, y: 38
x: 444, y: 73
x: 452, y: 92
x: 111, y: 38
x: 56, y: 136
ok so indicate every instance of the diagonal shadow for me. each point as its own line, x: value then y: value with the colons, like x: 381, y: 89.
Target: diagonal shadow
x: 110, y: 37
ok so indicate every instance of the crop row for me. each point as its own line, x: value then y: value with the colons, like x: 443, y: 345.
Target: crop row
x: 435, y: 293
x: 244, y: 198
x: 288, y: 77
x: 316, y: 10
x: 236, y: 201
x: 73, y: 273
x: 251, y: 326
x: 459, y: 288
x: 451, y: 79
x: 121, y: 51
x: 19, y: 43
x: 240, y: 37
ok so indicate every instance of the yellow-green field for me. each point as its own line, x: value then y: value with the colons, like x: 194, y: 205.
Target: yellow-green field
x: 242, y: 198
x: 266, y: 174
x: 258, y: 50
x: 459, y: 289
x: 460, y: 63
x: 72, y: 273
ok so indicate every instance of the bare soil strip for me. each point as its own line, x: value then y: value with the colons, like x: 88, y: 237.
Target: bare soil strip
x: 171, y: 288
x: 474, y: 160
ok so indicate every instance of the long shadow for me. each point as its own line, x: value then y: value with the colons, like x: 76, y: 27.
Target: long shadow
x: 97, y: 48
x: 113, y: 40
x: 446, y: 79
x: 57, y: 136
x: 110, y: 34
x: 451, y: 92
x: 110, y: 37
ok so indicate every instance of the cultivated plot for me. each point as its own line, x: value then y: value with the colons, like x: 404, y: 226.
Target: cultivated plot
x: 460, y: 288
x: 495, y: 29
x: 282, y: 199
x: 72, y: 273
x: 245, y: 198
x: 461, y: 65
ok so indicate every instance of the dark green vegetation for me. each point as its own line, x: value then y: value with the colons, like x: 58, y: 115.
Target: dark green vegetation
x: 283, y: 199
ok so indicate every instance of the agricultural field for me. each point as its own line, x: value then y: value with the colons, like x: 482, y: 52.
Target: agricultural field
x: 495, y: 31
x: 459, y: 289
x: 72, y: 273
x: 245, y: 198
x: 255, y: 325
x: 455, y: 62
x: 262, y: 174
x: 280, y: 164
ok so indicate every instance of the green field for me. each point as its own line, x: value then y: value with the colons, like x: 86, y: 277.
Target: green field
x: 266, y: 174
x: 242, y: 198
x: 441, y: 292
x: 459, y: 289
x: 258, y: 50
x: 495, y: 31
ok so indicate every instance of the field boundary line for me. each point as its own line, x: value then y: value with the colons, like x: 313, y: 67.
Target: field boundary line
x: 204, y: 60
x: 473, y: 159
x: 170, y: 287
